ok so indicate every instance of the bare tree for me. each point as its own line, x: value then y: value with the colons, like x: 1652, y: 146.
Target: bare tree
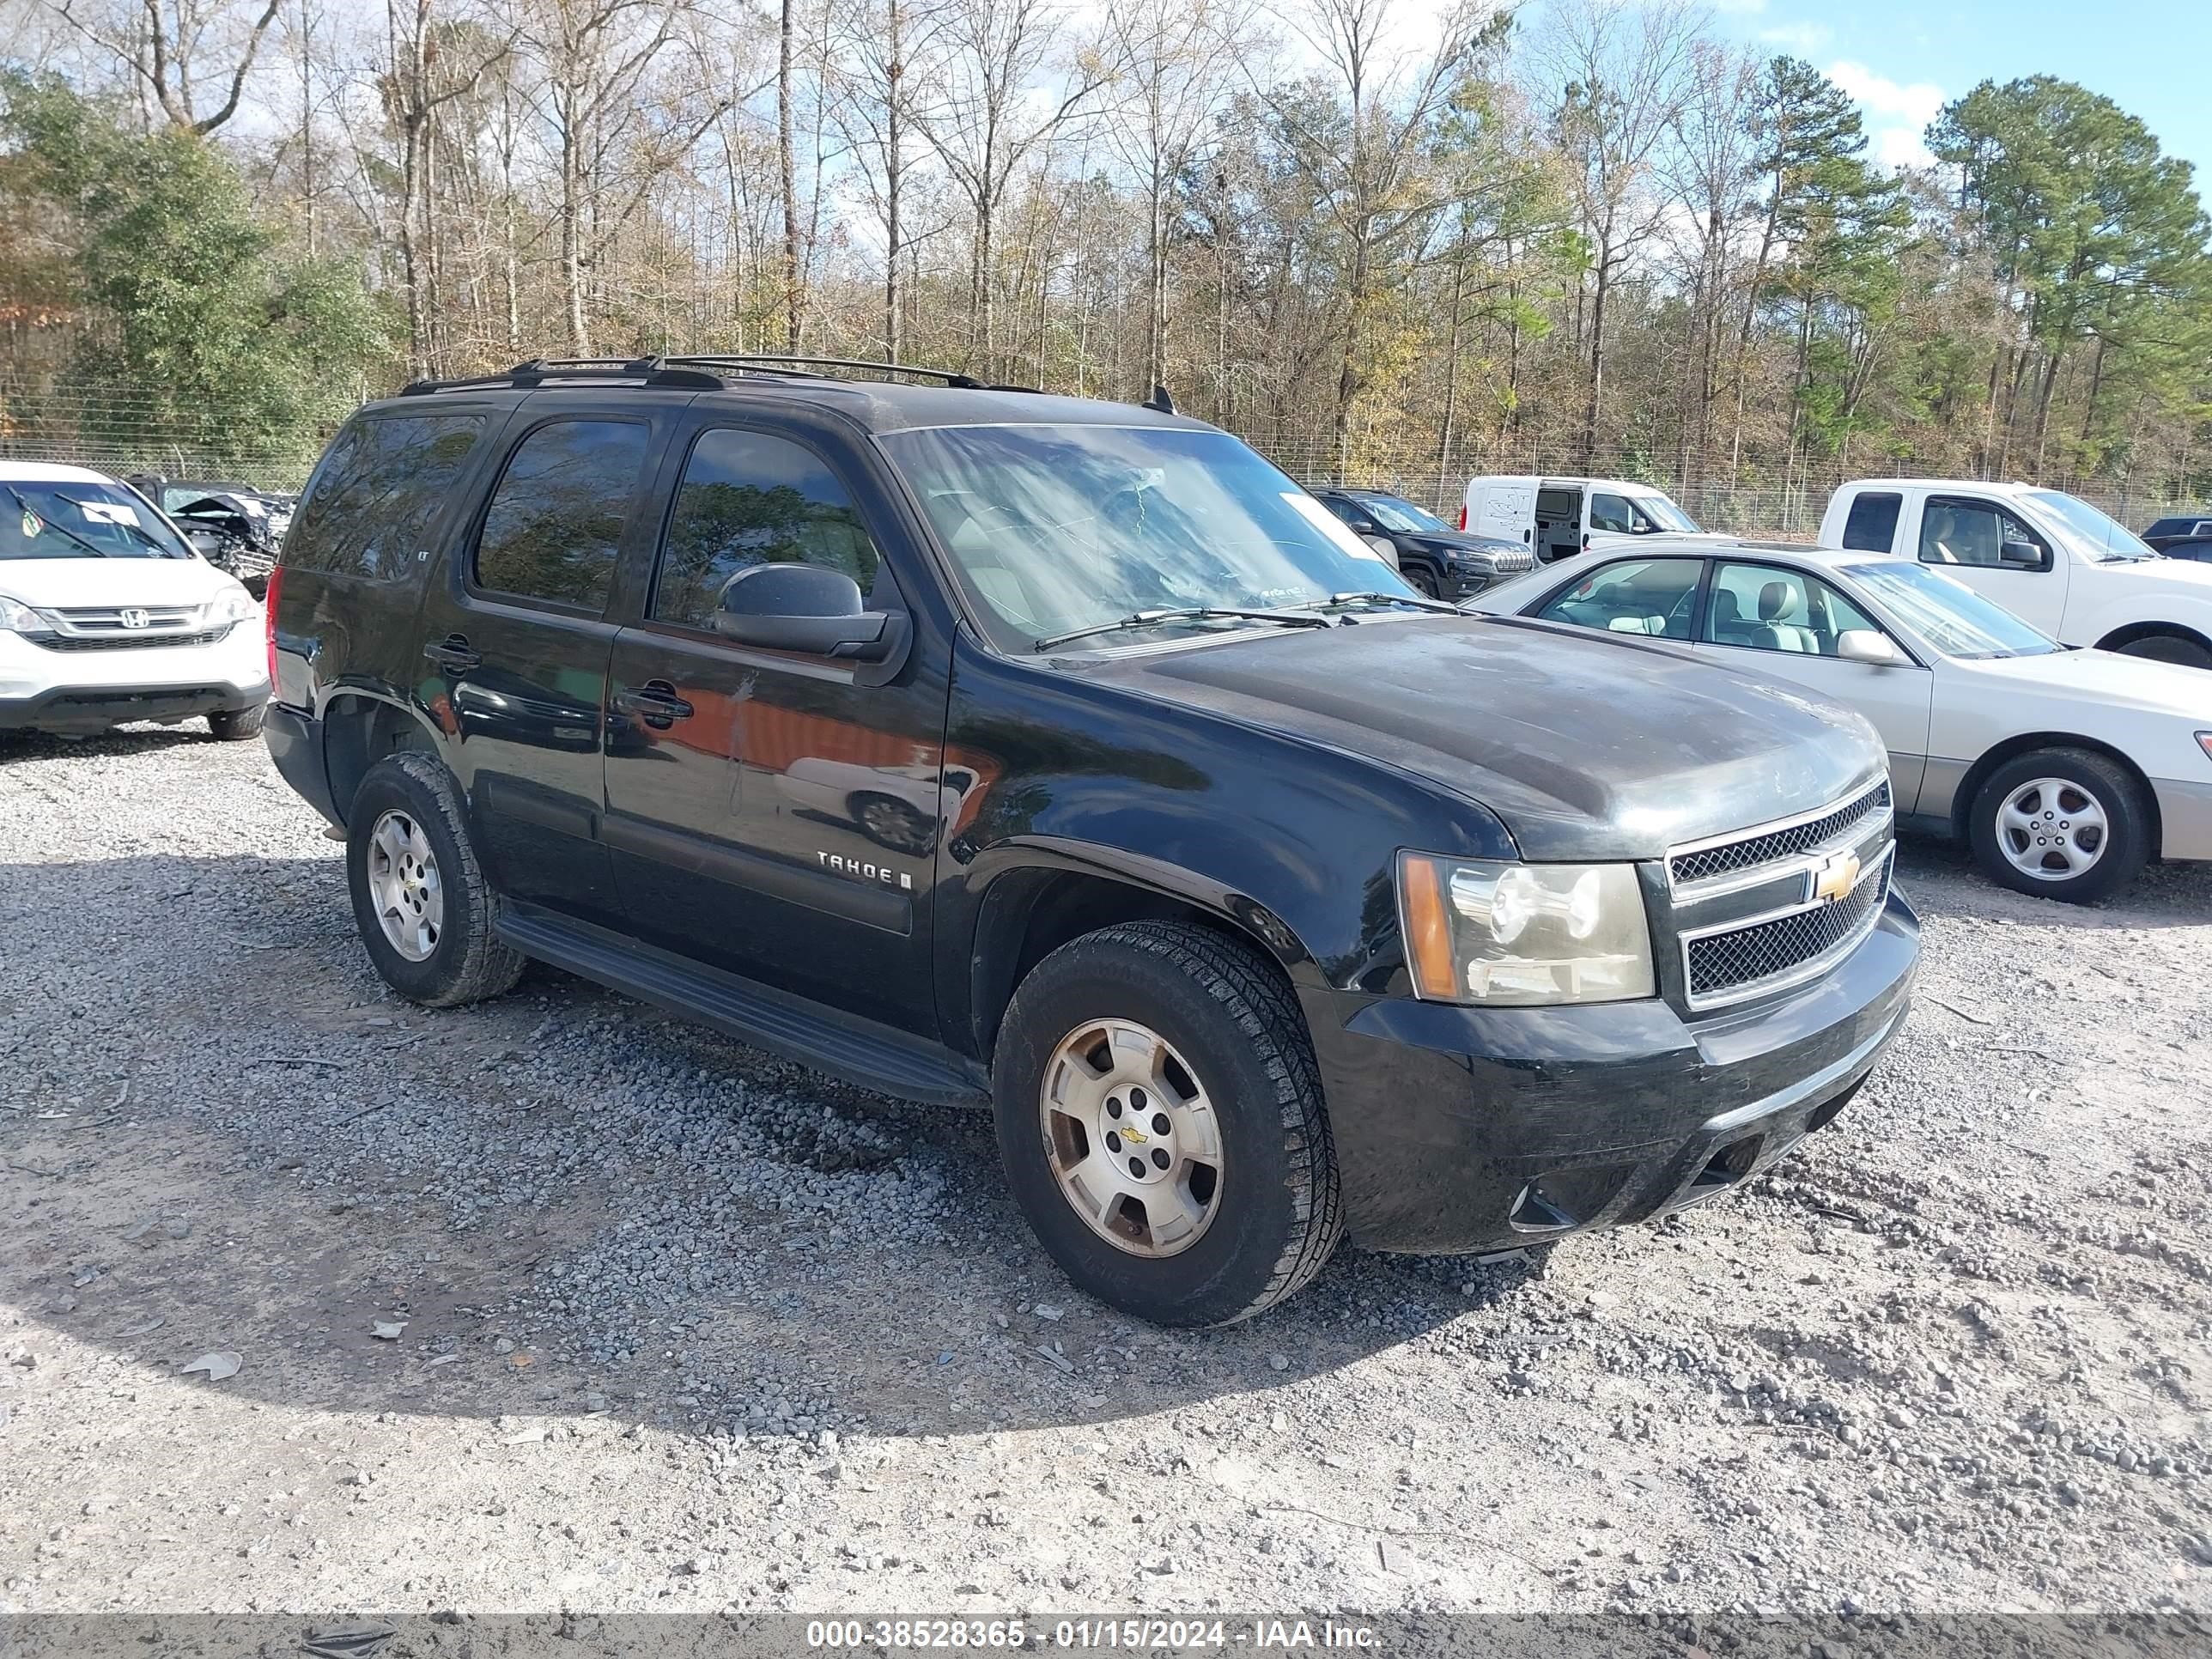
x: 1711, y: 173
x: 874, y: 108
x: 1369, y: 158
x: 991, y: 57
x: 1167, y: 58
x: 1618, y: 74
x: 174, y: 50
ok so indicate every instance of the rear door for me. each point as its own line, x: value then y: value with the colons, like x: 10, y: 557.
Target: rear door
x: 515, y: 641
x: 1509, y: 512
x: 771, y: 813
x: 1784, y: 623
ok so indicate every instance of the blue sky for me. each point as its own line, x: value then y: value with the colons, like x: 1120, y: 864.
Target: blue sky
x: 1903, y: 60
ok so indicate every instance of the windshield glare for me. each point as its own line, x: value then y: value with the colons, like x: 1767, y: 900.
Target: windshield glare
x: 1400, y: 515
x: 2096, y: 534
x: 1662, y: 512
x: 1949, y: 616
x: 81, y: 520
x: 1056, y: 528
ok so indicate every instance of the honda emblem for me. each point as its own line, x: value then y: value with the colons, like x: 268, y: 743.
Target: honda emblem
x: 134, y: 617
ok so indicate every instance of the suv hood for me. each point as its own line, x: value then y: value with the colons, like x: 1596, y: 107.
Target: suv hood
x: 1584, y: 746
x: 1460, y: 541
x: 68, y: 583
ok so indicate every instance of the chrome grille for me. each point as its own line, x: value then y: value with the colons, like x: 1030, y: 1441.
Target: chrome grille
x: 1765, y: 954
x: 1771, y: 846
x: 108, y: 618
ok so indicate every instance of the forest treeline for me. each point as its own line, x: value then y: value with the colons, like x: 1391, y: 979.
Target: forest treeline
x: 1589, y: 234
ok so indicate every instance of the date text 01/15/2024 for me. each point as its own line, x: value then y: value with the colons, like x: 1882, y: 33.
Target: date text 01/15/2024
x: 1257, y: 1635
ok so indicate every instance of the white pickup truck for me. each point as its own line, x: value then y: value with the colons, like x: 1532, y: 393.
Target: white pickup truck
x: 2050, y: 558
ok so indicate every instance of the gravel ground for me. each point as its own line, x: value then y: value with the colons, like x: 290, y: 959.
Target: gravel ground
x: 555, y: 1301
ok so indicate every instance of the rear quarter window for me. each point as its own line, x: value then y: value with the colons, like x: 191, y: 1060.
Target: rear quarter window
x: 376, y: 494
x: 1871, y: 526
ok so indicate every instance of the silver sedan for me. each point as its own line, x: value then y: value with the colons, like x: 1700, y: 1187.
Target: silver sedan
x: 2064, y: 769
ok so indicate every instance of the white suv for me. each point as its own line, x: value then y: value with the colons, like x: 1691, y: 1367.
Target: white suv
x: 107, y: 616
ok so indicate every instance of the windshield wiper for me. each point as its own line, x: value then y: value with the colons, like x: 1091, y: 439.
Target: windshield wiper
x: 30, y: 512
x: 1415, y: 600
x: 1192, y: 613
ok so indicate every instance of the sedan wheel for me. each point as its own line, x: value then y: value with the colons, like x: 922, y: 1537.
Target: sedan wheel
x: 2052, y: 828
x: 2061, y: 823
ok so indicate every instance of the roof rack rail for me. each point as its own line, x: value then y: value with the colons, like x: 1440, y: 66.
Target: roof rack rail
x: 646, y: 371
x: 757, y: 362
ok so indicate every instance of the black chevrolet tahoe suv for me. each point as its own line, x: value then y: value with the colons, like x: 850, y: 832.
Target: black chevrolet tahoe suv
x: 1064, y: 758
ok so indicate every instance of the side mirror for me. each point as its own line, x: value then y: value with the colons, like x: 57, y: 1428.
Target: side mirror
x: 805, y: 607
x: 2026, y: 554
x: 1869, y: 646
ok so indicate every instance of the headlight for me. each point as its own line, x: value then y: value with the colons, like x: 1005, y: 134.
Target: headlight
x: 233, y: 604
x: 17, y: 618
x: 1518, y: 935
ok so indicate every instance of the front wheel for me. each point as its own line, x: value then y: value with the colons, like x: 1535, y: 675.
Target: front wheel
x: 2169, y: 648
x: 1422, y: 580
x: 1160, y: 1117
x: 2061, y: 823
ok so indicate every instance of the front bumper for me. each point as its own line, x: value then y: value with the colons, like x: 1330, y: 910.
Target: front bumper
x: 1462, y: 1129
x: 89, y: 690
x: 2185, y: 819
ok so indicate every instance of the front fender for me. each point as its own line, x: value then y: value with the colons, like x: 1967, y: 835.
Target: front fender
x: 2163, y: 609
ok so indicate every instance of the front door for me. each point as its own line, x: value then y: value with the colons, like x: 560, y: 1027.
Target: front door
x: 516, y: 642
x: 770, y: 813
x: 1780, y: 622
x: 1966, y: 537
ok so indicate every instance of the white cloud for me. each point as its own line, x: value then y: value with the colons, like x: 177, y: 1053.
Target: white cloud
x: 1806, y: 38
x: 1897, y: 115
x: 1917, y: 103
x: 1738, y: 7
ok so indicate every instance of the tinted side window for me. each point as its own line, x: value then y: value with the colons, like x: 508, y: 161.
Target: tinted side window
x: 556, y: 520
x: 1871, y: 527
x: 1612, y: 513
x: 749, y: 499
x: 369, y: 507
x: 1636, y: 596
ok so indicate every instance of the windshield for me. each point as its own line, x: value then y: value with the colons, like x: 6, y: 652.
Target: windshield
x: 1400, y: 515
x: 81, y: 520
x: 1054, y: 529
x: 1949, y: 616
x: 1662, y: 512
x: 2101, y: 537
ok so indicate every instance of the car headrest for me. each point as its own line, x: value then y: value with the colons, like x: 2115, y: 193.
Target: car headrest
x: 1725, y: 608
x: 1773, y: 600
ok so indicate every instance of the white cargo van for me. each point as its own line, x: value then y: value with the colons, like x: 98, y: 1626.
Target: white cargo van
x: 2050, y: 558
x: 1556, y: 517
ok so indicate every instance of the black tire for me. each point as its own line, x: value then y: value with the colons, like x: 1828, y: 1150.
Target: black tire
x: 236, y: 724
x: 2126, y: 840
x: 1421, y: 579
x: 1219, y: 1003
x: 2169, y: 648
x: 467, y: 964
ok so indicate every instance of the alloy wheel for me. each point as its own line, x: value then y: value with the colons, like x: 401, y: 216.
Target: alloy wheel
x: 1131, y: 1137
x: 2052, y: 829
x: 403, y: 882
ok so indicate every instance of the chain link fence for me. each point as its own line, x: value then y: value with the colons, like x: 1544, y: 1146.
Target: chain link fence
x: 111, y: 431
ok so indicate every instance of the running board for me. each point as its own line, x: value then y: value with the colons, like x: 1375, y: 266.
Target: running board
x: 858, y: 1051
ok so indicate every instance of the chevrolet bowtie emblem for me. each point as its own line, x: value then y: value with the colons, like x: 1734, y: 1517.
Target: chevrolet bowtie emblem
x: 1134, y: 1137
x: 1834, y: 880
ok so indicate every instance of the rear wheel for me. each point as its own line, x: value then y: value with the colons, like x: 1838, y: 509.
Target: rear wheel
x: 419, y: 897
x: 1160, y: 1117
x: 235, y: 724
x: 2061, y: 823
x: 2169, y: 648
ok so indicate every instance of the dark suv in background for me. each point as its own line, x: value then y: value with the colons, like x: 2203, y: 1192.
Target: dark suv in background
x: 996, y: 749
x: 1438, y: 560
